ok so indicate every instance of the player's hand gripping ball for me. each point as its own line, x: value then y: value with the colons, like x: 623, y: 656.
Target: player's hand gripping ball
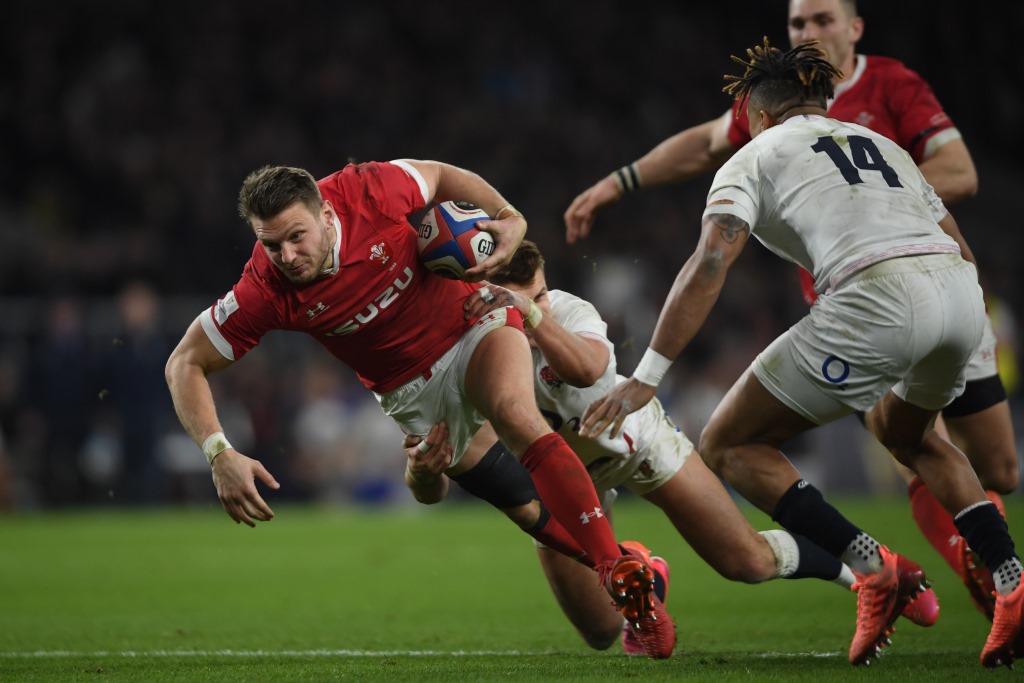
x: 450, y: 242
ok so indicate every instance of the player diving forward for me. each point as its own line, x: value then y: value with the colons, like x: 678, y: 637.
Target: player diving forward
x: 573, y: 364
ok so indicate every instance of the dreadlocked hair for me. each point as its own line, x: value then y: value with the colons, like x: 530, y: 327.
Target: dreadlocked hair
x: 801, y: 74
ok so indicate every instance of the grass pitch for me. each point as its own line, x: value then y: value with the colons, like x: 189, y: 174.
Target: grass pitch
x: 447, y: 593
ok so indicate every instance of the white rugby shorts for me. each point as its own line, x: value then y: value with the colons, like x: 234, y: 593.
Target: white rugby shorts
x: 647, y: 469
x: 662, y: 448
x: 983, y: 363
x: 422, y: 402
x: 908, y: 324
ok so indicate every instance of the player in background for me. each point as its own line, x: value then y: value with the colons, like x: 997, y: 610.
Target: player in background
x: 900, y: 316
x: 337, y: 259
x: 881, y: 94
x: 574, y: 364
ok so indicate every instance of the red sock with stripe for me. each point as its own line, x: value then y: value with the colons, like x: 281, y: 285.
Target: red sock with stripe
x: 567, y: 491
x: 553, y: 535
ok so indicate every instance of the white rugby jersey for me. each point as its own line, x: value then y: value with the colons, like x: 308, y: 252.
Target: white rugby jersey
x: 563, y: 405
x: 832, y: 197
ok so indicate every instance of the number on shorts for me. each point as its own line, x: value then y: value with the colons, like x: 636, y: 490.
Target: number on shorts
x: 866, y: 157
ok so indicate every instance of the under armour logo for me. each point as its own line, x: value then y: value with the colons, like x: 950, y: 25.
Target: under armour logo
x: 802, y: 484
x: 585, y: 517
x: 316, y: 310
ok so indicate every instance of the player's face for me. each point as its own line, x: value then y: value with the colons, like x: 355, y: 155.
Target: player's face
x: 827, y: 22
x: 537, y: 292
x: 300, y: 243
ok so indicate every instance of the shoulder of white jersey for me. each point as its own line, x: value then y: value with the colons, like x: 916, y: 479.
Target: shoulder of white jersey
x: 564, y: 305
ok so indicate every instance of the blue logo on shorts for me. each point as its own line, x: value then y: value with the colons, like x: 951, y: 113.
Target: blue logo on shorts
x: 831, y: 364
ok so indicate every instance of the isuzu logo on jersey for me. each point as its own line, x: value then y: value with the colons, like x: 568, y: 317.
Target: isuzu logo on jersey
x: 379, y: 303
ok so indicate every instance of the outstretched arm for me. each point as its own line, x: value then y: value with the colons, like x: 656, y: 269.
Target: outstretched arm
x: 234, y: 474
x: 691, y: 298
x: 681, y: 157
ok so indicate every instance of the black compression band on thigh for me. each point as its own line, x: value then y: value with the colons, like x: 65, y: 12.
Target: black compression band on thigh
x: 803, y: 510
x: 500, y: 479
x: 978, y: 395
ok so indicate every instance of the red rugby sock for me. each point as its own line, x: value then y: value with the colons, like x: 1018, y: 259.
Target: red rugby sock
x: 554, y: 535
x: 568, y: 493
x: 935, y: 523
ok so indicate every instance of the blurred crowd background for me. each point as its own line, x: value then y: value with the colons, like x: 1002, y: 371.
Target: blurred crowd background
x: 126, y: 128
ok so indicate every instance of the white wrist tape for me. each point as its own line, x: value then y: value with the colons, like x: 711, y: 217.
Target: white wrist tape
x: 214, y: 445
x: 652, y: 368
x: 534, y: 317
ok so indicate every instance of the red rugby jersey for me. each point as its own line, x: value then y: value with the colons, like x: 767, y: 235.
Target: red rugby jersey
x: 381, y: 312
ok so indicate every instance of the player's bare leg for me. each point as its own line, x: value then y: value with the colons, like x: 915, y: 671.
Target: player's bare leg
x: 704, y: 513
x: 584, y: 601
x: 741, y: 443
x: 983, y: 437
x: 906, y: 430
x: 986, y: 438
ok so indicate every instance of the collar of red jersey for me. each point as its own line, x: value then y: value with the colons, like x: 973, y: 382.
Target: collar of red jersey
x: 336, y: 261
x: 859, y: 65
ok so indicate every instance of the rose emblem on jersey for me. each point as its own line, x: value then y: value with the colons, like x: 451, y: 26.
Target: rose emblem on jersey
x: 549, y: 377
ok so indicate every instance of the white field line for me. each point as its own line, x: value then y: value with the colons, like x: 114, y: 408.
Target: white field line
x: 142, y: 654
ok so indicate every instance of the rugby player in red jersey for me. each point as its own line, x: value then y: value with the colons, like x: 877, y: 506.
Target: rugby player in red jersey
x: 337, y: 259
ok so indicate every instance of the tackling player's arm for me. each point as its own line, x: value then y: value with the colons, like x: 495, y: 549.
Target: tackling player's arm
x: 427, y: 459
x: 693, y: 294
x: 578, y: 359
x: 234, y: 474
x: 683, y: 156
x: 950, y: 170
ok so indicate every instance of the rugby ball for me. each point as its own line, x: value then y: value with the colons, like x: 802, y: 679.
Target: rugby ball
x: 449, y: 242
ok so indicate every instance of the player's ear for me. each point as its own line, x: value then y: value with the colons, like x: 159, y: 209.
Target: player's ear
x: 856, y: 29
x: 327, y: 210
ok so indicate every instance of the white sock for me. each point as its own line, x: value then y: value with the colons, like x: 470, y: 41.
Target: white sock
x: 1007, y: 576
x: 862, y: 555
x: 785, y: 549
x: 846, y: 579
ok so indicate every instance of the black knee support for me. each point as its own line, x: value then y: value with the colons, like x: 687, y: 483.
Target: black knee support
x: 500, y: 479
